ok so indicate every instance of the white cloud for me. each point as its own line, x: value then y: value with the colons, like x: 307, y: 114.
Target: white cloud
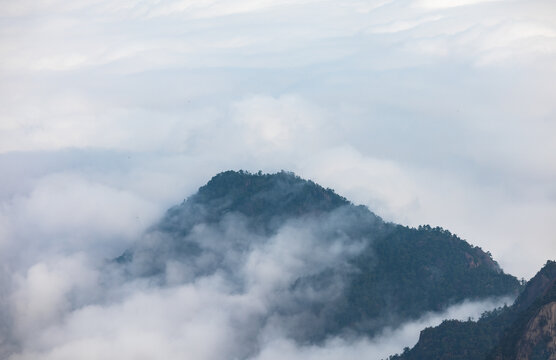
x: 440, y: 4
x: 43, y: 295
x: 428, y: 111
x: 275, y: 124
x: 380, y: 184
x: 65, y: 205
x: 398, y: 26
x: 65, y: 306
x: 391, y: 341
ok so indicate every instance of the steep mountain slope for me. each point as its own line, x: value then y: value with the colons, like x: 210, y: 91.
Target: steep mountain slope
x: 526, y: 330
x: 347, y: 269
x: 532, y: 336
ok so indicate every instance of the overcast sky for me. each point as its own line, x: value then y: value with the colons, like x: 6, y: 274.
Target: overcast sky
x: 438, y: 112
x: 427, y: 111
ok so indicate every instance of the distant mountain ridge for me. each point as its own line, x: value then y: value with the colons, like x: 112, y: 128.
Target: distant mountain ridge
x: 382, y: 275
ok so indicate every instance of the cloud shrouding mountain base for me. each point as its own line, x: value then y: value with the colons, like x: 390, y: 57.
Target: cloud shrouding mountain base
x: 426, y: 111
x: 230, y: 302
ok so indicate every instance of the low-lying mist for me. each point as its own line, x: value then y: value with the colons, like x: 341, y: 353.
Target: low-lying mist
x: 243, y: 294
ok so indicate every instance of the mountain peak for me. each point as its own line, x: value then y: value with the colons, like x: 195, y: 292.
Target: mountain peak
x: 263, y: 197
x: 267, y: 199
x: 368, y: 274
x: 240, y: 187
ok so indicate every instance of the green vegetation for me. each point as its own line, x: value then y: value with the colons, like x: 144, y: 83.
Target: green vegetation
x: 496, y: 335
x: 409, y: 271
x: 460, y: 340
x: 540, y: 291
x: 399, y: 274
x: 267, y: 200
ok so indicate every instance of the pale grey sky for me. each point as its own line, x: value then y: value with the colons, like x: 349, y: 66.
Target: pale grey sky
x: 426, y: 111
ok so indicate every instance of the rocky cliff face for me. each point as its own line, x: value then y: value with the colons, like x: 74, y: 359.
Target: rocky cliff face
x: 539, y: 338
x: 533, y: 335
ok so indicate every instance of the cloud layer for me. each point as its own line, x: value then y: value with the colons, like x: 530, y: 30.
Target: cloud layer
x: 111, y: 111
x: 245, y: 296
x: 444, y: 113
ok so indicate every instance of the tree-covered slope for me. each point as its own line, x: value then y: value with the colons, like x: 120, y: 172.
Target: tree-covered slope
x: 424, y: 269
x: 367, y: 274
x: 526, y: 330
x: 532, y: 335
x: 267, y: 200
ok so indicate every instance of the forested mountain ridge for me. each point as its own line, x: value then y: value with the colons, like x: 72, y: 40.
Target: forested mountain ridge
x: 532, y: 335
x: 368, y: 273
x: 526, y: 330
x: 267, y: 200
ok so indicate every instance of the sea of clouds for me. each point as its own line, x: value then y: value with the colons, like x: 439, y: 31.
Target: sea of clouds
x: 426, y: 111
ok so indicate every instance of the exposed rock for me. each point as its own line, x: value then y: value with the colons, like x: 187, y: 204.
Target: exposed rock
x: 539, y: 339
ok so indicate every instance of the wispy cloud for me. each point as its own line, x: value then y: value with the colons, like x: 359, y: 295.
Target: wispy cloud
x: 111, y: 111
x: 240, y: 298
